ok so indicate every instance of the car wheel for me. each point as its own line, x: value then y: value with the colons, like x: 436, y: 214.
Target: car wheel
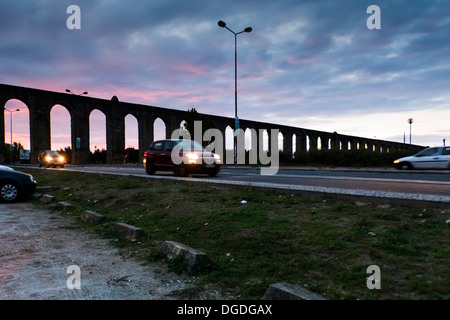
x: 149, y: 169
x: 182, y: 171
x: 213, y: 173
x: 9, y: 192
x: 405, y: 166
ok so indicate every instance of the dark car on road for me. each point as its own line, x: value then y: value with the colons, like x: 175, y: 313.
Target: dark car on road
x: 50, y: 158
x: 183, y: 157
x: 15, y: 185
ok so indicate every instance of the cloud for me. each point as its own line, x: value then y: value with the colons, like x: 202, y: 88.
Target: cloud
x: 304, y: 60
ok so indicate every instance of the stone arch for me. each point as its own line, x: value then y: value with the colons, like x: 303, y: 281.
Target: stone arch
x: 97, y: 129
x: 252, y: 139
x: 16, y: 126
x: 229, y: 138
x: 60, y: 128
x: 131, y: 132
x: 159, y: 129
x: 265, y: 140
x: 229, y: 145
x: 40, y: 102
x: 281, y: 141
x: 294, y: 145
x: 248, y: 139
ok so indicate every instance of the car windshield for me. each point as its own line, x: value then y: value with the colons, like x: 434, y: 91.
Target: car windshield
x: 189, y: 145
x: 427, y: 152
x: 52, y: 153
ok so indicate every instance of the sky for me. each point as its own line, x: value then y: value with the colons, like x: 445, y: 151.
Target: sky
x: 313, y: 64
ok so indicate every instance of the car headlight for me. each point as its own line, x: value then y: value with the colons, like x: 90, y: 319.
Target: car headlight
x: 396, y: 161
x: 31, y: 178
x: 61, y: 159
x: 48, y: 158
x: 192, y: 157
x: 217, y: 157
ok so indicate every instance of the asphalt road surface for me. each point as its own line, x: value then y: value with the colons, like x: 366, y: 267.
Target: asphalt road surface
x: 370, y: 180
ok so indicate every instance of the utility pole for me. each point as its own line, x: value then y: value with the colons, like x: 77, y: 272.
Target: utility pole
x: 410, y: 121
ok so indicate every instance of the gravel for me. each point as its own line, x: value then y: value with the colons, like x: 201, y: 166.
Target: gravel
x: 37, y: 247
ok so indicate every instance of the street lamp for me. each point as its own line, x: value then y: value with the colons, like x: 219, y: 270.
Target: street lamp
x: 410, y: 121
x: 247, y: 30
x: 10, y: 126
x: 67, y: 90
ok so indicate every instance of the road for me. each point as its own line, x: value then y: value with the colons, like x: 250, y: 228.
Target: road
x: 381, y: 183
x: 372, y: 180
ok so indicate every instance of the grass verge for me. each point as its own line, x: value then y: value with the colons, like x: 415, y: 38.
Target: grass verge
x: 324, y: 244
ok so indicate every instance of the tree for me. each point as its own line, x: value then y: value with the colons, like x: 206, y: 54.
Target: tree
x: 14, y: 152
x: 66, y: 153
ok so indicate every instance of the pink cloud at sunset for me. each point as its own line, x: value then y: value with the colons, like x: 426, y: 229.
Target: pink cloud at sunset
x: 311, y: 64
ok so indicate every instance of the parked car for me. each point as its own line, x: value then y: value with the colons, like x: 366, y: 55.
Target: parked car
x: 15, y: 185
x: 183, y: 157
x: 50, y: 158
x: 429, y: 158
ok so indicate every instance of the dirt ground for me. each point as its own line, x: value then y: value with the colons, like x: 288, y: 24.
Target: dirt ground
x: 37, y: 247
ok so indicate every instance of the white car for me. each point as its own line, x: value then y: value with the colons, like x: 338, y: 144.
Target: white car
x: 429, y: 158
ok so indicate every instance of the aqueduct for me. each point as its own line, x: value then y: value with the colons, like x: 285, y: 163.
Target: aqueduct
x: 40, y: 103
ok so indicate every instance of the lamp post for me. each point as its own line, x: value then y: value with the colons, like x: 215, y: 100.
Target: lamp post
x: 10, y: 126
x: 247, y: 30
x: 410, y: 121
x: 67, y: 90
